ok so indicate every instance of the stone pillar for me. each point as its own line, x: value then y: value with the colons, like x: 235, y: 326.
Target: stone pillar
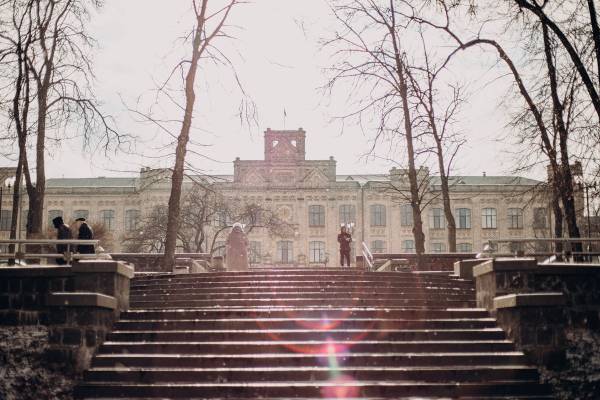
x: 501, y: 276
x: 464, y: 268
x: 78, y: 324
x: 536, y: 323
x: 106, y: 277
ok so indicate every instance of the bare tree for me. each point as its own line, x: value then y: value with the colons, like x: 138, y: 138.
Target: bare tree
x: 206, y: 217
x: 437, y: 120
x: 52, y: 90
x: 370, y: 47
x: 208, y: 27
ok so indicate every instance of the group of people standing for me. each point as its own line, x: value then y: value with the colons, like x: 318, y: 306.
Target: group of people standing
x: 64, y: 232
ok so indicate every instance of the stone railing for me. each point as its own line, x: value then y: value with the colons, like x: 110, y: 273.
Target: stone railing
x: 551, y: 312
x: 429, y: 261
x: 78, y: 304
x: 152, y: 262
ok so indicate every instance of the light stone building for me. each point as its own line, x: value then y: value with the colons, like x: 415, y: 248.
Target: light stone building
x: 315, y: 200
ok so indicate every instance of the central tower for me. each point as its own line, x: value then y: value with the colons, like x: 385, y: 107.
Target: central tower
x: 285, y: 146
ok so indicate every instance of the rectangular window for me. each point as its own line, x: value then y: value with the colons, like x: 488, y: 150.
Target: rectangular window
x: 53, y: 214
x: 408, y: 246
x: 377, y: 246
x: 437, y: 220
x: 406, y: 215
x: 255, y: 255
x: 464, y: 218
x: 464, y: 247
x: 316, y: 215
x: 438, y: 247
x: 540, y: 218
x: 285, y: 251
x: 488, y: 218
x: 316, y: 252
x: 81, y: 214
x: 5, y: 220
x: 515, y: 218
x: 378, y: 215
x: 220, y: 219
x: 107, y: 217
x: 347, y: 214
x: 132, y: 220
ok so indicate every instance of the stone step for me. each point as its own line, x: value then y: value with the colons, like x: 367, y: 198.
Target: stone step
x: 306, y: 347
x: 175, y: 295
x: 304, y: 312
x: 264, y: 274
x: 362, y: 398
x: 349, y: 359
x: 302, y: 302
x: 294, y: 289
x: 306, y: 334
x: 308, y: 281
x: 452, y: 373
x: 312, y: 323
x: 340, y: 388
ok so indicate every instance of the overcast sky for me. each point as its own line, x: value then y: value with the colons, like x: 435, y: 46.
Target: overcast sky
x: 281, y: 68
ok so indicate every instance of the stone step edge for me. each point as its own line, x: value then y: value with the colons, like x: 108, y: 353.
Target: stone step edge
x: 319, y: 331
x: 311, y: 342
x: 310, y: 368
x: 317, y: 355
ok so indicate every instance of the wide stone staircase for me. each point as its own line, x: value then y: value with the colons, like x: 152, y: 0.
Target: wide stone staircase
x: 307, y: 333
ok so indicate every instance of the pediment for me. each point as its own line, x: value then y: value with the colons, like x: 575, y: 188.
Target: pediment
x: 254, y: 178
x: 315, y: 178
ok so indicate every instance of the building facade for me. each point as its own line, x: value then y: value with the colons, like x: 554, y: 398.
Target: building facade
x: 314, y: 200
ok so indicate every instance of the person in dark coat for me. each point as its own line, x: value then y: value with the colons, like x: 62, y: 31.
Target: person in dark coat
x: 344, y: 239
x: 62, y: 232
x: 84, y: 233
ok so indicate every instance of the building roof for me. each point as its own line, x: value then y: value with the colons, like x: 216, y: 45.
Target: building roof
x: 90, y: 182
x: 488, y: 180
x: 360, y: 178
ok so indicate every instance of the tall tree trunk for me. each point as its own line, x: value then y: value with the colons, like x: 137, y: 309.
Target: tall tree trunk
x: 180, y: 152
x: 450, y: 222
x: 415, y: 201
x: 558, y: 217
x: 596, y: 33
x: 566, y: 181
x: 37, y: 191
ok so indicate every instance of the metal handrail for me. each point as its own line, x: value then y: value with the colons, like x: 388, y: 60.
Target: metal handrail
x: 367, y: 255
x: 488, y: 249
x: 68, y: 255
